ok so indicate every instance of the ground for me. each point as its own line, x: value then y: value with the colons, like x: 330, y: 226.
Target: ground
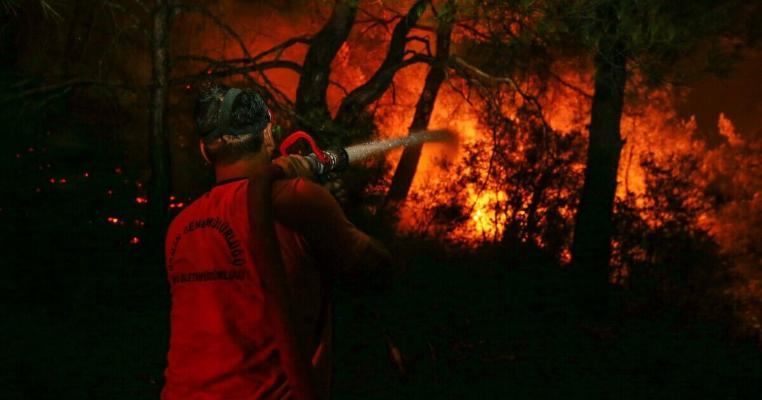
x: 85, y: 316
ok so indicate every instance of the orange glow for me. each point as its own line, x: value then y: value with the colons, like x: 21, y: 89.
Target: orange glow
x: 141, y: 200
x: 650, y: 124
x: 177, y: 205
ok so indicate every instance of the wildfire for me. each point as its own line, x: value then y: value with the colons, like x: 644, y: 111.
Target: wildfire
x: 651, y: 127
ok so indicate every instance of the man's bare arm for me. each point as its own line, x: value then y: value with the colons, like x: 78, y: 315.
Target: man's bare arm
x: 373, y: 267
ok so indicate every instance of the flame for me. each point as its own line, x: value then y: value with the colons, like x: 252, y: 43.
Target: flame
x: 651, y: 125
x: 728, y: 130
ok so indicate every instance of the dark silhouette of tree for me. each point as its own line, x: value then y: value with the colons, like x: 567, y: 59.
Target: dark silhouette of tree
x: 405, y: 171
x: 158, y: 143
x: 355, y: 102
x: 626, y: 39
x: 594, y: 227
x: 311, y: 104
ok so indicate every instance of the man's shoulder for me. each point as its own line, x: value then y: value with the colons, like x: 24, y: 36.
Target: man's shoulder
x: 303, y: 201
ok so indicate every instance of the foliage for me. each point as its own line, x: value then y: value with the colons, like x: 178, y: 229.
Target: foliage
x: 662, y: 254
x: 664, y: 41
x: 528, y: 190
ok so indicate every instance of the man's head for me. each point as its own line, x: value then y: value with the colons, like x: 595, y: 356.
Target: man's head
x: 234, y: 124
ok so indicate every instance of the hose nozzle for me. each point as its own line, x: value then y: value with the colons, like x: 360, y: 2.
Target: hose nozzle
x: 334, y: 160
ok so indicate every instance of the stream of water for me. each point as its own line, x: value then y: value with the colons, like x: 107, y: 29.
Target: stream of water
x: 362, y: 151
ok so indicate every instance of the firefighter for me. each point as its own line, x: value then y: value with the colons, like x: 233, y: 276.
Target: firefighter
x: 249, y: 321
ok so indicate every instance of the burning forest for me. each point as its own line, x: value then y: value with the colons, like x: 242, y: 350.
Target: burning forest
x: 569, y: 192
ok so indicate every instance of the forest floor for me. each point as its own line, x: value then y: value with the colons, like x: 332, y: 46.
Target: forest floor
x: 85, y: 317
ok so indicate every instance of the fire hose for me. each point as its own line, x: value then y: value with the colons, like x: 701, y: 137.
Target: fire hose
x: 268, y: 260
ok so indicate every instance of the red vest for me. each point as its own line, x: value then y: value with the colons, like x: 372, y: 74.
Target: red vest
x: 220, y: 346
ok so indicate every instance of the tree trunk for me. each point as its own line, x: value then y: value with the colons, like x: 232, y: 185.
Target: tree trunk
x: 311, y: 105
x: 593, y: 230
x: 405, y: 172
x: 357, y: 101
x: 158, y: 141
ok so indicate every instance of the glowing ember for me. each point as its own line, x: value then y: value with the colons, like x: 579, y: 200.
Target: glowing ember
x: 135, y: 240
x: 141, y: 200
x: 113, y: 220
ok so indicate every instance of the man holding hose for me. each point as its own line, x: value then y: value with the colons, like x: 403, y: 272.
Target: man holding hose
x: 250, y: 265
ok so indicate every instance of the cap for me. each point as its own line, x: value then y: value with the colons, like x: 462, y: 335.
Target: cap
x: 224, y: 115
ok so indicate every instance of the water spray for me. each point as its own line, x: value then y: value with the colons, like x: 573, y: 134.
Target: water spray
x: 323, y: 162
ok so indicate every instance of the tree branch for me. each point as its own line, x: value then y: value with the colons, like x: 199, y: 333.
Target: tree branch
x: 425, y: 42
x: 465, y: 68
x: 178, y: 8
x: 280, y: 48
x: 238, y: 71
x: 568, y: 85
x: 75, y: 82
x: 357, y: 100
x: 313, y: 83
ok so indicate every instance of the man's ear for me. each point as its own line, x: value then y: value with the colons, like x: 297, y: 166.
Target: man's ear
x: 202, y: 147
x: 269, y: 140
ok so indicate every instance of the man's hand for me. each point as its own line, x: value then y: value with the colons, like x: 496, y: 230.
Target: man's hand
x: 294, y: 166
x: 335, y: 186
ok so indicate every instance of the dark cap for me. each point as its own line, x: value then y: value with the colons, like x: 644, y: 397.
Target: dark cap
x: 240, y: 112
